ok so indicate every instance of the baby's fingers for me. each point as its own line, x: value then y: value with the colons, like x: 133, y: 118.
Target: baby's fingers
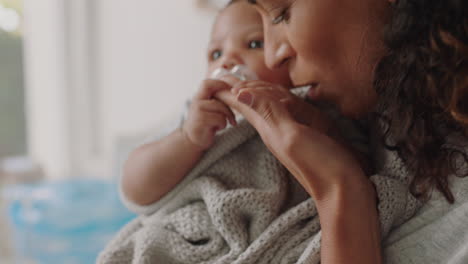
x: 215, y: 106
x: 215, y: 121
x: 203, y: 131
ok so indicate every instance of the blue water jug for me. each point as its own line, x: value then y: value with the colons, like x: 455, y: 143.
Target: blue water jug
x: 65, y: 222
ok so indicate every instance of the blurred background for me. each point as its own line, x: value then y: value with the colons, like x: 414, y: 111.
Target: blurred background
x: 81, y: 83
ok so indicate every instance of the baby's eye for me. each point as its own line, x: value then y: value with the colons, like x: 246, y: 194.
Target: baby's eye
x: 216, y: 55
x: 256, y: 44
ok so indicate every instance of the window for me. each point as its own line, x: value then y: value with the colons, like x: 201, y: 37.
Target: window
x: 91, y: 78
x: 12, y: 110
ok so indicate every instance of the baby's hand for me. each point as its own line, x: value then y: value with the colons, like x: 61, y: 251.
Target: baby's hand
x: 207, y: 115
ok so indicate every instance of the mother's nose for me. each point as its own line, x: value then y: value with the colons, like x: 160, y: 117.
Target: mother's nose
x: 278, y: 54
x: 278, y: 50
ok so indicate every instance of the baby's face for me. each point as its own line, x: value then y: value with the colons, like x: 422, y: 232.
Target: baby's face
x: 237, y: 39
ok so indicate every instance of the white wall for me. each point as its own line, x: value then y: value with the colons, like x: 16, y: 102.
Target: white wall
x: 151, y: 59
x: 99, y: 70
x: 44, y: 51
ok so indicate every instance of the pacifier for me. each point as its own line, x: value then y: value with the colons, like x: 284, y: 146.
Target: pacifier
x: 241, y: 72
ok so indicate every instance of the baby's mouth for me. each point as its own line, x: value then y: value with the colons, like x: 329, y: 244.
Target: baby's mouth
x: 240, y: 72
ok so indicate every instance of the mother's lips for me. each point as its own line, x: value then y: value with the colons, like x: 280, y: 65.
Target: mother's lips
x: 311, y: 84
x: 313, y: 92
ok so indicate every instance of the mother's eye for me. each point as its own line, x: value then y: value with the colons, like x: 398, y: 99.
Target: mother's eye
x: 282, y: 17
x: 256, y: 44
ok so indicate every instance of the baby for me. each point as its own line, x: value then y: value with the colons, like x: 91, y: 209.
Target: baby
x: 236, y: 40
x: 207, y: 194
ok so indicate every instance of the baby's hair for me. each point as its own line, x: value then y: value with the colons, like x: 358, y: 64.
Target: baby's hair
x: 231, y: 2
x: 253, y: 2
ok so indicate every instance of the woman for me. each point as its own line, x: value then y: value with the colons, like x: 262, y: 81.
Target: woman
x: 404, y: 61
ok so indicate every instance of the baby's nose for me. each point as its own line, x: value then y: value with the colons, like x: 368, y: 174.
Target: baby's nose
x: 228, y: 65
x: 230, y: 60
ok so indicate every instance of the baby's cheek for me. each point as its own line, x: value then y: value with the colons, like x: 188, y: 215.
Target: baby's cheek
x: 209, y: 72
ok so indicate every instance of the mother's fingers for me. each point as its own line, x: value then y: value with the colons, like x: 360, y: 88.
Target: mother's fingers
x: 296, y: 107
x: 209, y: 87
x: 230, y: 100
x: 260, y: 106
x: 254, y: 84
x: 266, y: 92
x: 268, y: 107
x: 271, y: 105
x: 230, y: 79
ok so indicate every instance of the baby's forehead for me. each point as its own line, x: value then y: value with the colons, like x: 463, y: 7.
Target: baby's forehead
x: 237, y: 32
x: 238, y: 13
x: 239, y: 16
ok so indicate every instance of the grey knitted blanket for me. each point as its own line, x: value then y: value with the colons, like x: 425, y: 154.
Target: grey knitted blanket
x: 240, y: 205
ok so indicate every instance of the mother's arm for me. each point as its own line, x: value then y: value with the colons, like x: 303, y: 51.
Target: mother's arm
x: 345, y: 198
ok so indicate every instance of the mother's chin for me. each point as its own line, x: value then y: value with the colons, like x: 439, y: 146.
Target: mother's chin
x: 350, y: 104
x: 358, y: 106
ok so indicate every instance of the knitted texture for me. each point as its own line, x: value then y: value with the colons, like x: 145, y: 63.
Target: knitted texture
x: 242, y: 206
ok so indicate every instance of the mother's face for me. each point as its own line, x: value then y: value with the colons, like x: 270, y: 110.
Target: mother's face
x: 332, y: 45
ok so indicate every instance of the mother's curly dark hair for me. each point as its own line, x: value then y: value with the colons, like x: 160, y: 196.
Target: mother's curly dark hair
x: 423, y: 85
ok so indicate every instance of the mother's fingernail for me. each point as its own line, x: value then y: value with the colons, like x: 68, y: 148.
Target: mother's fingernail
x: 245, y: 97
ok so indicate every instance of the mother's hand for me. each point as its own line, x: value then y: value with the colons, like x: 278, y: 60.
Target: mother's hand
x: 297, y: 133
